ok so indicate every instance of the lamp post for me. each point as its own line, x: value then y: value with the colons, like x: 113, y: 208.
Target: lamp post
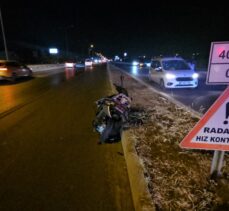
x: 125, y: 55
x: 90, y: 50
x: 3, y: 35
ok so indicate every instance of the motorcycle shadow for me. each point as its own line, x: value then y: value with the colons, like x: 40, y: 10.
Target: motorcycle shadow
x: 113, y: 140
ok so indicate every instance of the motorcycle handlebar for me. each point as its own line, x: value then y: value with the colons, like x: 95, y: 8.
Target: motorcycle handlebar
x: 120, y: 89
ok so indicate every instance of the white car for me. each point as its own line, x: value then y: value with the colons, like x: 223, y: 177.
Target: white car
x: 88, y: 63
x: 172, y: 72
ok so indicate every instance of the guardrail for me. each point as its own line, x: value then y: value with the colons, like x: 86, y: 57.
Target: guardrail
x: 201, y: 71
x: 124, y: 63
x: 43, y: 67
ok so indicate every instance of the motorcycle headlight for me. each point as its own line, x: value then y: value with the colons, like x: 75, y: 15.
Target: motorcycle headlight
x: 100, y: 128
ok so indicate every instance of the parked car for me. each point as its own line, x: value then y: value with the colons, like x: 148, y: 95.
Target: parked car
x: 11, y: 70
x: 172, y: 72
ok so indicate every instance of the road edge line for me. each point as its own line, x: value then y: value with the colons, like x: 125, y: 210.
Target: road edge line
x: 139, y: 188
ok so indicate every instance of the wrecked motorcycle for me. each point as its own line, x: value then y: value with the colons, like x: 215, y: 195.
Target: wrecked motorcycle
x: 111, y: 115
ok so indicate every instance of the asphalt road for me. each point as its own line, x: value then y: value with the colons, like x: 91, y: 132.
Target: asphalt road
x: 199, y: 99
x: 49, y: 155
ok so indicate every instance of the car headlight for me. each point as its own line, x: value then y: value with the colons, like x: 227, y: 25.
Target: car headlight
x: 3, y: 69
x: 170, y: 76
x: 195, y: 75
x: 148, y: 64
x: 134, y: 63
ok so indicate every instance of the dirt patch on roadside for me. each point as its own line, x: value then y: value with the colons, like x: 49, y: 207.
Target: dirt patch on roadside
x: 177, y: 179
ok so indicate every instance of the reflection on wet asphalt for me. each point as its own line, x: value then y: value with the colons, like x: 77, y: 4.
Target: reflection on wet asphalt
x: 25, y: 90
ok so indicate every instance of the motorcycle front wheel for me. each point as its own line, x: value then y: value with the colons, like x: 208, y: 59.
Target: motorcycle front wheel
x: 112, y: 132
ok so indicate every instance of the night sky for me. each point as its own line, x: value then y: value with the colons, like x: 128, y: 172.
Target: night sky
x: 114, y: 27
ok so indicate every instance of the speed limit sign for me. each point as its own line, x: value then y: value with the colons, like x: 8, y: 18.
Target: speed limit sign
x: 218, y: 66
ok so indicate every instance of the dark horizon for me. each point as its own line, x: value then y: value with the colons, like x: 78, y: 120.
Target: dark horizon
x: 136, y: 28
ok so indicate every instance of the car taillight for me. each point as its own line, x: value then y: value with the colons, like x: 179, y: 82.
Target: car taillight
x: 68, y: 64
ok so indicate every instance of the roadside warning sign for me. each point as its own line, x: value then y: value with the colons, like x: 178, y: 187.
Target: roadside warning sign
x: 212, y: 131
x: 218, y: 67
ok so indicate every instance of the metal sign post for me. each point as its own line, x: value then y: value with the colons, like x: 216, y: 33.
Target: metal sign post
x: 217, y: 164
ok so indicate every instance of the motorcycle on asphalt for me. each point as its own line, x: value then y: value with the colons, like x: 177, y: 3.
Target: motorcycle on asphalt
x: 112, y: 115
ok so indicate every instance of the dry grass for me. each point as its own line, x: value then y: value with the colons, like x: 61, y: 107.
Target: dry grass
x: 177, y: 179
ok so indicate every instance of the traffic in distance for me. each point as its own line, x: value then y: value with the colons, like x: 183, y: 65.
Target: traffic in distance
x: 168, y: 72
x: 11, y: 70
x: 88, y: 62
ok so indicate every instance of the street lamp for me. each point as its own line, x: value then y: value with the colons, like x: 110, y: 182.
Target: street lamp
x: 90, y: 50
x: 3, y: 35
x: 124, y: 56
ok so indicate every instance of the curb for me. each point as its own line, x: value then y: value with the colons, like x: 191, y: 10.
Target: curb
x: 139, y: 188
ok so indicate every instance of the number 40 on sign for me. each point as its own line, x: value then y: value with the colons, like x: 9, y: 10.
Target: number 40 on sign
x: 218, y: 68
